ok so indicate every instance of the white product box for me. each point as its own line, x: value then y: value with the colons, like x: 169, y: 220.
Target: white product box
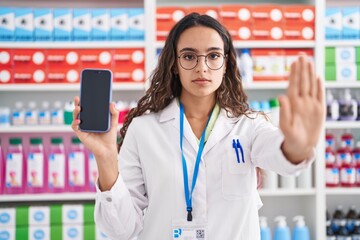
x: 7, y: 24
x: 7, y: 233
x: 136, y: 24
x: 73, y: 232
x: 39, y: 215
x: 119, y: 24
x: 81, y: 24
x: 24, y: 24
x: 7, y: 217
x: 39, y: 232
x: 351, y: 23
x: 63, y: 24
x: 100, y: 24
x: 43, y: 21
x: 72, y: 214
x: 346, y: 72
x: 333, y: 23
x: 345, y: 55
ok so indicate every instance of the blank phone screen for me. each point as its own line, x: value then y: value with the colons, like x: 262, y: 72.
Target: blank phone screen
x: 95, y: 97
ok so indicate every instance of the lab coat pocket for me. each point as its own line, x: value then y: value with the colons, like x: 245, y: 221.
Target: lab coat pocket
x: 237, y: 179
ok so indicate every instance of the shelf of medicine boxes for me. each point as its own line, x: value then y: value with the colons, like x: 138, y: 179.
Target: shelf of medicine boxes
x: 45, y: 87
x: 342, y: 124
x: 264, y: 44
x: 39, y: 129
x: 75, y: 45
x: 85, y: 196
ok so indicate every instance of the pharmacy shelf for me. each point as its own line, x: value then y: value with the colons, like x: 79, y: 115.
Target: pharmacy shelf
x: 66, y: 87
x: 40, y: 129
x: 343, y: 191
x: 264, y: 44
x: 75, y: 45
x: 334, y: 84
x: 88, y: 196
x: 342, y: 43
x: 286, y: 192
x: 342, y: 124
x: 266, y: 85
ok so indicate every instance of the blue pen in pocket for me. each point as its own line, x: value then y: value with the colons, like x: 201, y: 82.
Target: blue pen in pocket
x: 236, y: 151
x: 238, y: 145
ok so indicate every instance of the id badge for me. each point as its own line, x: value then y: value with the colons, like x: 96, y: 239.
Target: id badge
x: 185, y: 230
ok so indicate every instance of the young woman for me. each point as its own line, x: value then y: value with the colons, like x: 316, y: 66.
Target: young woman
x: 186, y: 166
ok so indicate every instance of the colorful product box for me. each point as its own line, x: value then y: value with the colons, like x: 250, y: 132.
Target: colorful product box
x: 6, y: 75
x: 136, y: 24
x: 291, y: 55
x: 39, y: 215
x: 100, y: 24
x: 129, y: 65
x: 342, y: 55
x: 93, y: 58
x: 24, y: 24
x: 7, y: 217
x: 267, y: 32
x: 342, y: 72
x: 39, y: 232
x: 333, y: 23
x: 299, y: 14
x: 29, y: 57
x: 63, y: 24
x: 72, y: 214
x: 62, y: 58
x: 351, y: 23
x: 7, y: 24
x: 267, y: 14
x: 269, y: 64
x: 298, y: 32
x: 238, y: 20
x: 81, y: 24
x: 63, y: 75
x: 74, y: 231
x: 43, y: 22
x: 6, y: 57
x: 119, y: 24
x: 211, y: 11
x: 166, y: 18
x: 29, y: 74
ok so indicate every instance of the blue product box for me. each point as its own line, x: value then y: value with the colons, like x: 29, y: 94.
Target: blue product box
x: 333, y: 23
x: 7, y: 24
x: 136, y: 24
x: 43, y: 21
x: 119, y: 24
x: 100, y: 24
x: 351, y: 23
x: 24, y: 24
x: 62, y: 24
x: 81, y: 24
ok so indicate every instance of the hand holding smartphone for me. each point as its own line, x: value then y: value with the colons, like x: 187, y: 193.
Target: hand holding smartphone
x: 95, y: 97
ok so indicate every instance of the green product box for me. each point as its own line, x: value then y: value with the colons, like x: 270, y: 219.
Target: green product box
x: 357, y: 56
x: 330, y: 72
x: 89, y: 232
x: 330, y: 55
x: 89, y: 213
x: 22, y: 216
x: 56, y: 232
x: 55, y: 214
x: 21, y: 233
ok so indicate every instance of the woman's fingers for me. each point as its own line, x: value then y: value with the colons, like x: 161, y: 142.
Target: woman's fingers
x: 76, y: 121
x: 114, y: 115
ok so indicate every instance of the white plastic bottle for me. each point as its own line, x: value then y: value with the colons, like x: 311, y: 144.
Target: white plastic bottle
x: 31, y: 114
x: 246, y: 66
x: 348, y: 107
x: 44, y: 114
x: 18, y: 114
x: 282, y: 231
x: 57, y: 114
x: 332, y: 107
x: 275, y: 111
x: 68, y: 110
x: 300, y: 230
x: 304, y: 180
x: 4, y: 116
x: 287, y: 182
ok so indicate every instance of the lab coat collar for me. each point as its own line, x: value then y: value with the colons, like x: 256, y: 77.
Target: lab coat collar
x: 222, y: 127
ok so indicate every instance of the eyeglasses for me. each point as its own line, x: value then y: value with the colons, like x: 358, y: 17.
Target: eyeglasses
x: 189, y: 61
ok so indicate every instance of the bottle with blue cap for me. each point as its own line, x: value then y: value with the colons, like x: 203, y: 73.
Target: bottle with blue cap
x: 282, y: 231
x: 300, y: 231
x: 265, y: 232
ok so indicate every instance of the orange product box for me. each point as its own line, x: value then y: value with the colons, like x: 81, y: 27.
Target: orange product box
x: 6, y: 58
x: 239, y: 31
x: 29, y: 75
x: 211, y: 11
x: 62, y: 58
x: 299, y: 32
x: 269, y: 64
x: 292, y: 55
x: 63, y: 75
x: 129, y: 57
x: 268, y: 32
x: 234, y: 13
x: 267, y: 14
x: 96, y: 58
x: 166, y: 17
x: 29, y: 57
x: 299, y: 14
x: 122, y: 74
x: 6, y: 75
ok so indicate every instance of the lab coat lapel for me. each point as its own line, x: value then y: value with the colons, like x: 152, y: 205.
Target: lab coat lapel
x: 222, y: 128
x: 172, y: 113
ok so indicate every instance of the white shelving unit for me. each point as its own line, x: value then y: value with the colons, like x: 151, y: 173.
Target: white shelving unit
x: 12, y: 198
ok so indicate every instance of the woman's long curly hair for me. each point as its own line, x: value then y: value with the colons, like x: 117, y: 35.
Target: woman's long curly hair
x: 165, y: 84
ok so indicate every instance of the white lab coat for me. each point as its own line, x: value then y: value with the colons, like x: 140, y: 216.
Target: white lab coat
x: 151, y: 177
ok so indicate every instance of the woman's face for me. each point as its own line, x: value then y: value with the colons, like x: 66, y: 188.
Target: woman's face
x: 203, y: 79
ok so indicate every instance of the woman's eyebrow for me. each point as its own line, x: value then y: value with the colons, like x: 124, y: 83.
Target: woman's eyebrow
x: 188, y: 49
